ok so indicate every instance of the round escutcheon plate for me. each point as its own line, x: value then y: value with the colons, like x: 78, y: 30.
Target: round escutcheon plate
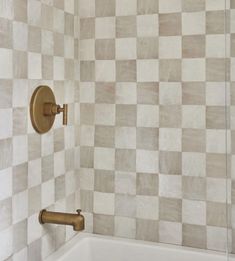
x: 40, y: 122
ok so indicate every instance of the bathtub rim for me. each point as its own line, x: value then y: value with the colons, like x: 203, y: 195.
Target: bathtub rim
x: 84, y: 236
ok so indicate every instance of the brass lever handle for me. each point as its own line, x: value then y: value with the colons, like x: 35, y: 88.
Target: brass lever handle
x: 51, y: 109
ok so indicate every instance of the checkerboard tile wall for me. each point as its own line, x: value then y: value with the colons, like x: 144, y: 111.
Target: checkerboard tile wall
x: 153, y: 146
x: 38, y: 45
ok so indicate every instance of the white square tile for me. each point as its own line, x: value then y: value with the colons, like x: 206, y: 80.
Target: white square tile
x: 170, y: 186
x: 170, y: 47
x: 147, y: 25
x: 104, y: 158
x: 6, y: 242
x: 216, y: 141
x: 104, y: 203
x: 170, y: 232
x: 215, y: 94
x: 212, y: 5
x: 193, y: 23
x: 147, y: 71
x: 105, y: 114
x: 126, y: 49
x: 34, y: 66
x: 48, y: 193
x: 34, y: 228
x: 216, y: 190
x: 20, y: 206
x: 59, y: 167
x: 193, y: 117
x: 193, y: 164
x: 5, y: 183
x: 169, y: 6
x: 217, y: 238
x: 86, y: 8
x: 6, y: 66
x: 20, y: 149
x: 193, y: 70
x: 87, y: 92
x: 125, y: 138
x: 105, y: 71
x: 147, y: 116
x: 125, y: 227
x: 170, y: 93
x: 6, y: 9
x: 105, y: 28
x: 58, y: 67
x: 126, y: 7
x: 6, y: 123
x: 146, y: 161
x: 125, y: 183
x: 34, y: 173
x: 170, y: 139
x: 215, y: 46
x: 147, y: 207
x: 20, y: 36
x: 87, y: 49
x: 126, y: 93
x: 194, y: 212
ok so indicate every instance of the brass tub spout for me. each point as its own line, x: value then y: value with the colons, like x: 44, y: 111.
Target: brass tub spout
x: 75, y: 220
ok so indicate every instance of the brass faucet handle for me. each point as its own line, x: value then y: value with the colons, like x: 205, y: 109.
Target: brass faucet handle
x: 64, y: 110
x: 79, y: 211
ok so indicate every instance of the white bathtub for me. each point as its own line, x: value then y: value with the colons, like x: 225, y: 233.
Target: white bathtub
x: 89, y: 247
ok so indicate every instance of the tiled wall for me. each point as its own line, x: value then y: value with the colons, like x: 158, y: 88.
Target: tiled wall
x: 38, y: 45
x: 152, y: 112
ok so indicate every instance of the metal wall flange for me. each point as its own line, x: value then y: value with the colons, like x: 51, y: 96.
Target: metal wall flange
x: 43, y: 109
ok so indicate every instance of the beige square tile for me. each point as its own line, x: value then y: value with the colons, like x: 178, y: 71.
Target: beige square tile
x: 125, y: 160
x: 193, y: 6
x: 104, y: 181
x: 215, y: 22
x: 126, y: 115
x: 193, y: 46
x: 216, y: 165
x: 169, y: 24
x: 170, y: 70
x: 147, y: 93
x: 104, y: 136
x: 170, y: 232
x: 147, y: 6
x: 103, y: 224
x: 125, y: 205
x: 105, y: 93
x: 170, y: 163
x: 147, y: 184
x: 193, y: 93
x: 194, y: 188
x: 170, y: 116
x: 105, y: 8
x: 194, y: 236
x: 216, y: 214
x: 126, y: 71
x: 5, y: 34
x: 215, y: 117
x: 87, y: 71
x: 147, y: 138
x: 147, y: 48
x: 126, y: 26
x: 193, y: 140
x: 215, y: 69
x: 104, y: 49
x: 147, y: 207
x: 170, y: 209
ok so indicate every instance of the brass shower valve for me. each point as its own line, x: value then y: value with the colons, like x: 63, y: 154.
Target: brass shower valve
x: 52, y: 109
